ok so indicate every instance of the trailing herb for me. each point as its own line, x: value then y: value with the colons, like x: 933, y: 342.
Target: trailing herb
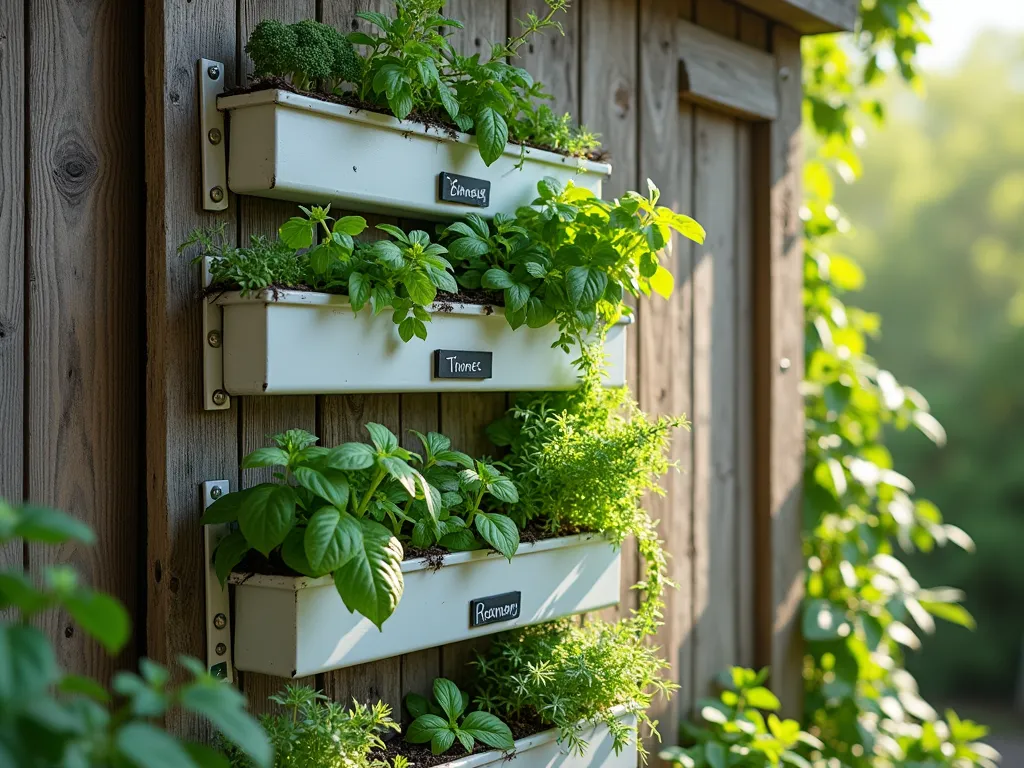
x: 586, y: 459
x: 569, y: 259
x: 48, y: 718
x: 736, y: 732
x: 441, y: 721
x: 314, y: 732
x: 411, y: 68
x: 346, y: 511
x: 567, y: 676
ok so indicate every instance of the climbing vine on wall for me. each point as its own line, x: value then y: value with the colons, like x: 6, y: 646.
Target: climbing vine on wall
x: 863, y: 607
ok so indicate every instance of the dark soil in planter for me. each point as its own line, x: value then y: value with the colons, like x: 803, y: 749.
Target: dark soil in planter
x: 421, y: 757
x: 254, y: 562
x: 445, y: 302
x: 349, y: 99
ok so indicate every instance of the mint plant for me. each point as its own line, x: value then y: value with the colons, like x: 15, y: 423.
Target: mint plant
x: 311, y: 731
x: 441, y: 721
x: 737, y: 733
x: 346, y: 511
x: 50, y: 718
x: 571, y: 257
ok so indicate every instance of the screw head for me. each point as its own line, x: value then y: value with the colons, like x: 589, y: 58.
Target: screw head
x: 784, y: 364
x: 221, y: 649
x: 214, y: 136
x: 784, y: 74
x: 213, y: 71
x: 216, y: 194
x: 213, y: 339
x: 216, y: 492
x: 220, y: 621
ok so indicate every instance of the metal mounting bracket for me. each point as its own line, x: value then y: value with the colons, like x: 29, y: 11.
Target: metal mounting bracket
x: 215, y: 397
x: 212, y: 137
x: 218, y: 604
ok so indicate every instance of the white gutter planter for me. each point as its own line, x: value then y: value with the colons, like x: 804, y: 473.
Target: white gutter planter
x: 542, y: 750
x: 296, y: 342
x: 291, y: 627
x: 291, y: 147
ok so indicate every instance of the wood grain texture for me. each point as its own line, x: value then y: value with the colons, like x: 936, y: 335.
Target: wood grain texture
x: 185, y: 445
x: 753, y: 31
x: 779, y: 406
x: 551, y: 58
x: 12, y: 262
x: 85, y: 332
x: 484, y: 22
x: 726, y: 75
x: 664, y: 338
x: 809, y: 17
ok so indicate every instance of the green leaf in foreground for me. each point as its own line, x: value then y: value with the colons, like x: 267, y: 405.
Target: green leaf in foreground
x: 371, y: 582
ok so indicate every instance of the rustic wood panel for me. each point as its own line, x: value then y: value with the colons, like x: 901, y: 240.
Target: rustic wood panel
x: 84, y: 303
x: 665, y: 346
x: 809, y: 17
x: 726, y: 75
x: 779, y: 370
x: 184, y: 444
x: 262, y: 417
x: 753, y: 31
x: 12, y: 261
x: 551, y: 58
x: 484, y: 22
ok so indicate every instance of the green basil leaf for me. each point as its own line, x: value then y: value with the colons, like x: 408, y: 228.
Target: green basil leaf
x: 146, y: 746
x: 516, y: 296
x: 585, y: 285
x: 293, y: 552
x: 225, y: 509
x: 442, y: 741
x: 498, y: 531
x: 358, y: 290
x: 489, y: 730
x: 351, y: 457
x: 371, y: 581
x: 402, y: 472
x: 449, y: 698
x: 459, y: 541
x: 538, y: 314
x: 416, y: 705
x: 102, y: 617
x: 229, y: 553
x: 266, y: 515
x: 349, y: 225
x: 491, y: 134
x: 663, y: 282
x: 497, y: 279
x: 382, y: 438
x: 224, y: 707
x: 504, y: 489
x: 420, y: 289
x: 265, y: 457
x: 50, y: 526
x: 27, y: 664
x: 333, y: 489
x: 423, y: 728
x: 296, y: 233
x: 332, y: 537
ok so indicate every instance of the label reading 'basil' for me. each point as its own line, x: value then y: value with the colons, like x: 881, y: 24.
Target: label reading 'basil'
x: 460, y: 364
x: 493, y: 609
x: 453, y: 188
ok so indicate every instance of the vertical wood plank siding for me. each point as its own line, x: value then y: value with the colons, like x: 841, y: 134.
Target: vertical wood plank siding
x: 100, y: 380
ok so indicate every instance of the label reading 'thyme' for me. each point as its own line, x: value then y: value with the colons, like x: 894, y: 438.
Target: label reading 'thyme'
x: 493, y: 609
x: 460, y: 364
x: 453, y: 188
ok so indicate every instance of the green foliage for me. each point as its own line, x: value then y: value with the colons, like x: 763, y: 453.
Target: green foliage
x: 570, y: 257
x: 736, y: 733
x: 314, y: 732
x: 585, y: 459
x: 48, y: 718
x: 411, y: 68
x: 312, y: 55
x: 444, y: 720
x: 347, y: 510
x: 569, y: 675
x: 862, y: 602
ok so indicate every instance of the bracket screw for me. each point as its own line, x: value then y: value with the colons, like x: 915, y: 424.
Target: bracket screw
x: 784, y: 74
x: 784, y: 364
x: 213, y: 339
x: 214, y: 136
x: 220, y: 397
x: 220, y: 621
x: 216, y: 194
x: 213, y: 71
x: 216, y: 492
x: 221, y: 649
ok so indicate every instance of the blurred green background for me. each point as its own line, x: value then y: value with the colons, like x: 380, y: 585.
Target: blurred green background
x: 939, y: 231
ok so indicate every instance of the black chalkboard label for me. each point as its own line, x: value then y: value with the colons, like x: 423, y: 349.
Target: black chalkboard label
x: 453, y: 188
x: 460, y: 364
x: 494, y: 609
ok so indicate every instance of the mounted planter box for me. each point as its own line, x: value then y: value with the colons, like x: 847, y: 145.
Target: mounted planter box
x: 292, y: 147
x: 296, y: 343
x: 542, y: 750
x: 296, y: 626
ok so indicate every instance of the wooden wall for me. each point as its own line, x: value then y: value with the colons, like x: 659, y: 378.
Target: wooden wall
x: 100, y: 405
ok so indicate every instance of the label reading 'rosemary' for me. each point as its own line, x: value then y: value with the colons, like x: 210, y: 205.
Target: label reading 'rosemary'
x: 453, y: 188
x: 460, y: 364
x: 493, y: 609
